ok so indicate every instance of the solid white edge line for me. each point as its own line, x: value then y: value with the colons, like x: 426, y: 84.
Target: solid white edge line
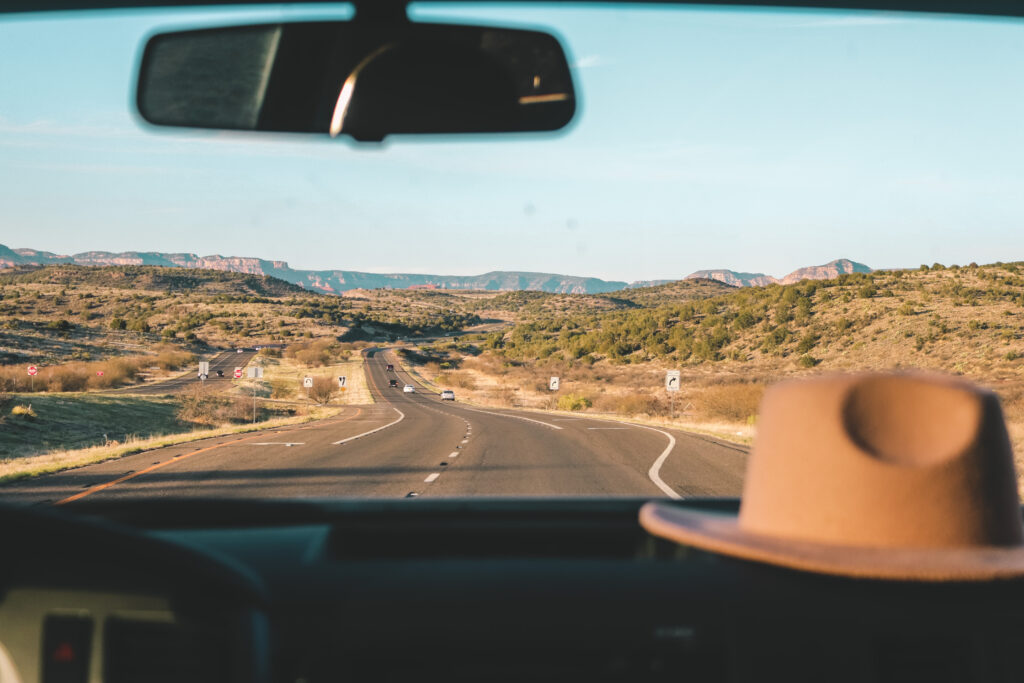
x: 401, y: 416
x: 431, y: 478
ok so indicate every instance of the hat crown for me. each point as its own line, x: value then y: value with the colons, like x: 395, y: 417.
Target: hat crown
x: 905, y: 460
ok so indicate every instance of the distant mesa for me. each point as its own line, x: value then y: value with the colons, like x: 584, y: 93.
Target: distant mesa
x: 830, y: 270
x: 343, y: 281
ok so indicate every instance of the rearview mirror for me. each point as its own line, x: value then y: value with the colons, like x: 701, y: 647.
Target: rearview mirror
x: 363, y: 79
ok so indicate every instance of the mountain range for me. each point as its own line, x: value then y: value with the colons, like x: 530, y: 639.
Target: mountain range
x: 338, y: 281
x: 828, y: 271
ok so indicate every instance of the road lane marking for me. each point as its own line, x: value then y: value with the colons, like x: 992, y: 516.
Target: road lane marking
x: 514, y: 417
x: 279, y: 443
x: 431, y: 478
x: 177, y: 458
x: 453, y: 455
x: 401, y: 416
x: 607, y: 428
x: 653, y: 473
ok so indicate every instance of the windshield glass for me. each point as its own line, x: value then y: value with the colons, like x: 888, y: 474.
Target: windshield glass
x: 743, y: 197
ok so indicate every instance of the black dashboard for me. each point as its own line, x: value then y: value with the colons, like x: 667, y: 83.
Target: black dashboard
x: 457, y: 590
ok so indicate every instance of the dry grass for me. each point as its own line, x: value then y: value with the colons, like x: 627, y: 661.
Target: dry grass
x: 283, y: 377
x: 19, y: 468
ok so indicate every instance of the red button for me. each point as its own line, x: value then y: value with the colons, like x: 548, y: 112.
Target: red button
x: 64, y: 653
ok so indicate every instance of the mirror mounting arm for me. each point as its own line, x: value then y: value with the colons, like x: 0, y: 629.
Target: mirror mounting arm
x: 381, y: 11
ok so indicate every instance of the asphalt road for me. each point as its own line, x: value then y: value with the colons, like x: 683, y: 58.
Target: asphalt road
x: 225, y: 361
x: 410, y: 445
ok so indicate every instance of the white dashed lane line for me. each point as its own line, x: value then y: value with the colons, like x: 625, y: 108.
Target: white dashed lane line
x: 453, y: 455
x: 432, y: 477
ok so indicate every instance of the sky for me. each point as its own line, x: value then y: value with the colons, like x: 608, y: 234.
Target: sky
x: 756, y: 141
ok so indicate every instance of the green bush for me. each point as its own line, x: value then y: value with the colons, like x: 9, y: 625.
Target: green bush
x: 808, y: 361
x: 574, y: 402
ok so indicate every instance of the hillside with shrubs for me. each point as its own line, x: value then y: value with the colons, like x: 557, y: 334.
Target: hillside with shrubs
x: 65, y: 313
x: 963, y: 320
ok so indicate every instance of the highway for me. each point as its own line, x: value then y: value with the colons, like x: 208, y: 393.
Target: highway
x: 412, y: 445
x: 225, y: 361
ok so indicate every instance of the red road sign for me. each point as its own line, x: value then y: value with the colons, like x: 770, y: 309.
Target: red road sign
x: 238, y: 373
x: 32, y: 370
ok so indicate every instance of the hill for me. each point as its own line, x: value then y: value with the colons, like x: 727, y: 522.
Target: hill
x: 328, y: 281
x: 66, y: 312
x: 965, y: 320
x: 339, y: 281
x: 680, y: 290
x: 830, y: 270
x: 151, y: 278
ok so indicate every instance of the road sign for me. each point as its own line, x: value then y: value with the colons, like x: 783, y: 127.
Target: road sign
x: 307, y: 382
x: 672, y: 380
x: 238, y: 373
x: 32, y: 370
x: 255, y: 372
x: 553, y: 385
x: 204, y: 367
x: 99, y: 373
x: 341, y: 382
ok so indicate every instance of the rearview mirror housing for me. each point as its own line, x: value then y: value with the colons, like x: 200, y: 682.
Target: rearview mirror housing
x: 363, y: 79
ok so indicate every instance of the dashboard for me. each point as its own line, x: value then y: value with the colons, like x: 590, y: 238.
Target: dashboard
x: 456, y: 590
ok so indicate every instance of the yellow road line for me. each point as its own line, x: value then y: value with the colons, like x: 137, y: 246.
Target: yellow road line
x: 179, y: 458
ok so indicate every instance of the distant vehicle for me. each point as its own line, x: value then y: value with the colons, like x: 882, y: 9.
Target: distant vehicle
x: 447, y: 395
x: 240, y: 350
x: 409, y: 389
x: 390, y: 367
x: 392, y: 382
x: 220, y: 373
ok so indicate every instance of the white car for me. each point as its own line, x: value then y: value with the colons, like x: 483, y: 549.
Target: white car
x: 447, y: 395
x: 409, y: 389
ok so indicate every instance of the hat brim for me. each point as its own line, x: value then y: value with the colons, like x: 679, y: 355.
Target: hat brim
x: 721, y: 534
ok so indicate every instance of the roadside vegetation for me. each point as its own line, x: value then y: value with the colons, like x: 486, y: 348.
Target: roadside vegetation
x: 729, y: 347
x: 63, y: 313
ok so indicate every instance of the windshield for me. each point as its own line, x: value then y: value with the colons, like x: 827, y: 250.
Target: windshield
x: 743, y: 197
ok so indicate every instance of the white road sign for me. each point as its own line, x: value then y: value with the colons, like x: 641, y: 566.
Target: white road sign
x: 554, y: 384
x: 32, y: 370
x: 255, y: 372
x: 341, y: 382
x: 307, y: 382
x: 204, y: 367
x: 672, y: 380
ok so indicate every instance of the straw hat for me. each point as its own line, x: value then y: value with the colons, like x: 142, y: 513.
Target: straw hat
x: 884, y: 476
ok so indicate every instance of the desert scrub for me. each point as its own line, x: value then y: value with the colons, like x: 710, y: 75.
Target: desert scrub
x: 574, y: 402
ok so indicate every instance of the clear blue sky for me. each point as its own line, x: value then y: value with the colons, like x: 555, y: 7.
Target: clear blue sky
x: 757, y: 141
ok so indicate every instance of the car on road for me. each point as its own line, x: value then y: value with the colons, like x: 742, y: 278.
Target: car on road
x: 393, y: 383
x: 390, y: 367
x: 220, y: 373
x: 409, y: 389
x: 447, y: 395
